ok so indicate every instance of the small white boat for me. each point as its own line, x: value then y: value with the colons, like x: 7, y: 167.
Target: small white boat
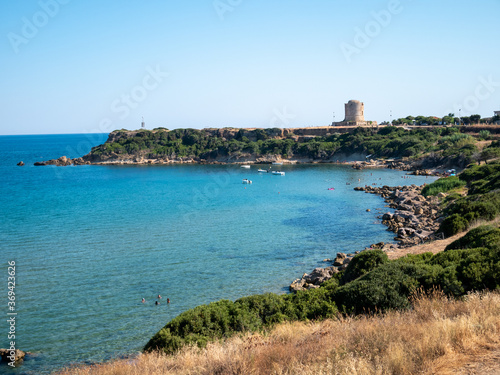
x: 247, y: 181
x: 245, y: 166
x: 262, y: 171
x: 277, y: 163
x: 279, y: 173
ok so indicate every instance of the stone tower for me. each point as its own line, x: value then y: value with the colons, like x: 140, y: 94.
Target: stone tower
x: 354, y: 111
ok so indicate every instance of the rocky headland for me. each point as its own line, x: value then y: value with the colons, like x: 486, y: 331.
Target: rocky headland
x: 330, y: 144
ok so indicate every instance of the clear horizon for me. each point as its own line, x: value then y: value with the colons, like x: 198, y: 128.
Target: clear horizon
x: 93, y: 67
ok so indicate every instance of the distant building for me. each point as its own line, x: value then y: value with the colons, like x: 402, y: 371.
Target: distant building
x: 497, y: 113
x: 354, y: 115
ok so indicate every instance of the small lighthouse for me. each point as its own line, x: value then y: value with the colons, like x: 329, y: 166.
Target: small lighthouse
x: 143, y: 124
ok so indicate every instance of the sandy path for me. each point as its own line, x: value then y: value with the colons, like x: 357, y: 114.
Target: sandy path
x: 433, y: 247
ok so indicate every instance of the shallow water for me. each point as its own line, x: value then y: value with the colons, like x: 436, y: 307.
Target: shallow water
x: 90, y: 242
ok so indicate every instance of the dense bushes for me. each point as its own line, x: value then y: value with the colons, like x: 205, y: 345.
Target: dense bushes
x: 224, y: 318
x: 453, y: 224
x: 362, y: 264
x: 484, y: 236
x: 387, y: 142
x: 385, y: 287
x: 481, y: 203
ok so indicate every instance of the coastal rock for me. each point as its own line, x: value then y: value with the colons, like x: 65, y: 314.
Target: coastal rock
x: 61, y: 162
x: 6, y: 355
x: 80, y: 161
x: 39, y: 163
x: 320, y: 275
x: 314, y: 279
x: 339, y: 259
x: 21, y: 163
x: 416, y: 217
x: 387, y: 216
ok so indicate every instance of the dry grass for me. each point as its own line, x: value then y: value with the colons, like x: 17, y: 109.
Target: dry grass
x: 436, y: 337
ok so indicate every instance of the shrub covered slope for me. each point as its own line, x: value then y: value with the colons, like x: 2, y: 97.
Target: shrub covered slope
x: 443, y: 143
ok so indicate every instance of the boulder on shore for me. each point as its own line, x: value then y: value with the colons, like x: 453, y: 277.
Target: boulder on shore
x: 313, y: 280
x: 6, y: 355
x: 21, y: 163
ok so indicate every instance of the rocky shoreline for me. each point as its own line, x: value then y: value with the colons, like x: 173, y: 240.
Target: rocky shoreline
x: 64, y: 161
x: 415, y: 221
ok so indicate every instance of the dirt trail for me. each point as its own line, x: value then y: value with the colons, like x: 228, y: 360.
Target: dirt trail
x: 433, y: 247
x: 485, y: 362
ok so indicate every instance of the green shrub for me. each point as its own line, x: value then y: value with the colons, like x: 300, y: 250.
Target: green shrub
x: 384, y: 288
x: 484, y: 206
x: 442, y: 186
x: 476, y: 172
x: 363, y: 263
x: 484, y: 134
x: 224, y: 318
x: 453, y: 224
x: 483, y: 236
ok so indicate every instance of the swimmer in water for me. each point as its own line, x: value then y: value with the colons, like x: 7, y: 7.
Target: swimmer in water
x: 159, y: 297
x: 143, y: 300
x: 168, y: 300
x: 157, y: 303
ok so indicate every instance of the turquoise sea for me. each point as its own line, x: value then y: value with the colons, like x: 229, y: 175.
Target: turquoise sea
x: 89, y: 242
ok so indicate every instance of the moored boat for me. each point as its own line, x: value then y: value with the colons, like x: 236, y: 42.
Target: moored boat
x: 245, y: 166
x: 247, y: 181
x: 279, y: 173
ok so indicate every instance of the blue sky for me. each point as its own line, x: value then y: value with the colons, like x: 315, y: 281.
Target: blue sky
x: 72, y: 66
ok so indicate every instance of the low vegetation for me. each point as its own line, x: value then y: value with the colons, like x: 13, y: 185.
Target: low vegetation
x: 443, y: 185
x: 434, y: 337
x: 482, y: 202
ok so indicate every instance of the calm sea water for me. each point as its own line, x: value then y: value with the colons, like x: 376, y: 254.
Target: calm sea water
x: 90, y: 242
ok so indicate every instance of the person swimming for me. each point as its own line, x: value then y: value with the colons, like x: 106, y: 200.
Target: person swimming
x: 143, y: 300
x: 157, y: 303
x: 168, y: 300
x: 159, y: 296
